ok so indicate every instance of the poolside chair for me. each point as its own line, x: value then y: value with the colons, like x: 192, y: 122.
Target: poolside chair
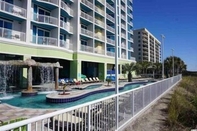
x: 98, y: 79
x: 83, y: 81
x: 92, y: 80
x: 95, y: 79
x: 76, y: 82
x: 88, y: 81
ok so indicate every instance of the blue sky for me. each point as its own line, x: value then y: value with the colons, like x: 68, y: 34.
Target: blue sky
x: 176, y: 19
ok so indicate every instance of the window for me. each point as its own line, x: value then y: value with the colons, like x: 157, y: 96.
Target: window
x: 42, y: 36
x: 83, y: 42
x: 138, y: 32
x: 139, y: 45
x: 139, y: 41
x: 84, y: 26
x: 8, y: 26
x: 139, y: 49
x: 138, y: 36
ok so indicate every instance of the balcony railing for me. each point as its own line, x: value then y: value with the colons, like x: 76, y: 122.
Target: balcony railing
x: 12, y: 9
x: 123, y: 35
x: 12, y: 34
x: 101, y: 1
x: 110, y: 28
x: 111, y: 18
x: 66, y: 44
x: 123, y: 26
x: 111, y: 41
x: 110, y: 7
x: 124, y: 1
x: 87, y: 48
x: 45, y: 19
x: 109, y: 53
x: 86, y: 16
x: 123, y: 45
x: 99, y: 51
x: 101, y: 37
x: 86, y: 32
x: 99, y: 22
x: 67, y: 8
x: 131, y: 49
x: 51, y: 1
x: 42, y: 40
x: 88, y: 3
x: 132, y: 58
x: 123, y: 56
x: 123, y: 17
x: 123, y: 8
x: 66, y: 26
x: 98, y: 10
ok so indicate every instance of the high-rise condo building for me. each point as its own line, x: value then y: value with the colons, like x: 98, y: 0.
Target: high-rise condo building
x: 79, y: 34
x: 146, y: 46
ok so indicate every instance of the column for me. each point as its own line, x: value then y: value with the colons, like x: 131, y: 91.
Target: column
x: 29, y: 78
x: 75, y: 68
x: 102, y: 71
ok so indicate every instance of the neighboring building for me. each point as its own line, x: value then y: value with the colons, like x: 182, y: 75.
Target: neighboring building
x: 77, y: 33
x: 146, y: 46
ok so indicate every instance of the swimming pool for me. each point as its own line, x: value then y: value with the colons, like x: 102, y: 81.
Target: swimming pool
x: 39, y: 101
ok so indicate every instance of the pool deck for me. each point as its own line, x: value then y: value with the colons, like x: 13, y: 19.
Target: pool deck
x: 8, y: 112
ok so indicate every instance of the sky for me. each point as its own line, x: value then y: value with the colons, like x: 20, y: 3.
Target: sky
x: 176, y: 20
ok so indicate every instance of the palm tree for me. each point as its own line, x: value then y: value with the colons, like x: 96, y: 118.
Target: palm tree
x: 138, y: 68
x: 129, y: 68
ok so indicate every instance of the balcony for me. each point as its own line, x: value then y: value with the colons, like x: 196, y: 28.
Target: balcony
x: 123, y: 35
x: 99, y: 11
x: 123, y: 17
x: 123, y: 8
x: 130, y: 23
x: 131, y: 49
x: 111, y: 18
x: 109, y: 53
x: 123, y: 45
x: 99, y: 51
x: 12, y: 34
x: 66, y: 8
x: 87, y: 3
x: 124, y: 1
x: 66, y: 26
x: 66, y: 44
x: 86, y: 16
x: 12, y: 9
x: 110, y: 29
x: 51, y: 1
x: 110, y: 41
x: 110, y: 7
x: 101, y: 1
x: 123, y: 56
x: 99, y: 22
x: 87, y: 48
x: 130, y: 40
x: 42, y: 40
x: 100, y: 37
x: 132, y: 58
x: 123, y: 26
x: 45, y: 19
x: 86, y: 32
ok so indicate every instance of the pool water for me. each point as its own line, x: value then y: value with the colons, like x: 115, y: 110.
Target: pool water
x: 93, y: 86
x: 39, y: 101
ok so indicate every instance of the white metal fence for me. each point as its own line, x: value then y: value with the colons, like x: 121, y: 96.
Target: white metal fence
x: 100, y: 114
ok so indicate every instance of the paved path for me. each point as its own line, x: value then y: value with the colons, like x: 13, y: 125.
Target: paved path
x: 8, y: 112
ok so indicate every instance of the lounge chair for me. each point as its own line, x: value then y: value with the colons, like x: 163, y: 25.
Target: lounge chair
x: 98, y: 79
x: 76, y: 81
x: 88, y: 81
x: 83, y: 81
x: 92, y: 80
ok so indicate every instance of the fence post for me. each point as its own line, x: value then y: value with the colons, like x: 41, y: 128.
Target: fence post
x: 89, y: 116
x: 29, y: 127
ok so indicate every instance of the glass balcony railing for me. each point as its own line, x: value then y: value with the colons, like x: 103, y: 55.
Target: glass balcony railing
x: 123, y: 56
x: 67, y: 8
x: 51, y: 1
x: 110, y: 18
x: 12, y: 34
x: 87, y: 48
x: 99, y: 22
x: 45, y: 19
x: 42, y: 40
x: 99, y: 51
x: 12, y: 9
x: 111, y: 41
x: 100, y: 37
x: 98, y: 10
x: 66, y: 26
x: 109, y: 53
x: 86, y: 16
x: 110, y: 7
x: 66, y: 44
x: 86, y: 32
x: 110, y: 28
x: 88, y: 3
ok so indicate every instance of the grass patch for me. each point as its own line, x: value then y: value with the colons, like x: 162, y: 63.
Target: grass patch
x: 23, y: 128
x: 182, y: 109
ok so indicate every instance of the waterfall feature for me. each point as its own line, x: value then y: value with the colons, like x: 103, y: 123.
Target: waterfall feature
x: 47, y: 77
x: 6, y: 72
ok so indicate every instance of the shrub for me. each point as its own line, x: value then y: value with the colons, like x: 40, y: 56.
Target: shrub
x: 23, y: 128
